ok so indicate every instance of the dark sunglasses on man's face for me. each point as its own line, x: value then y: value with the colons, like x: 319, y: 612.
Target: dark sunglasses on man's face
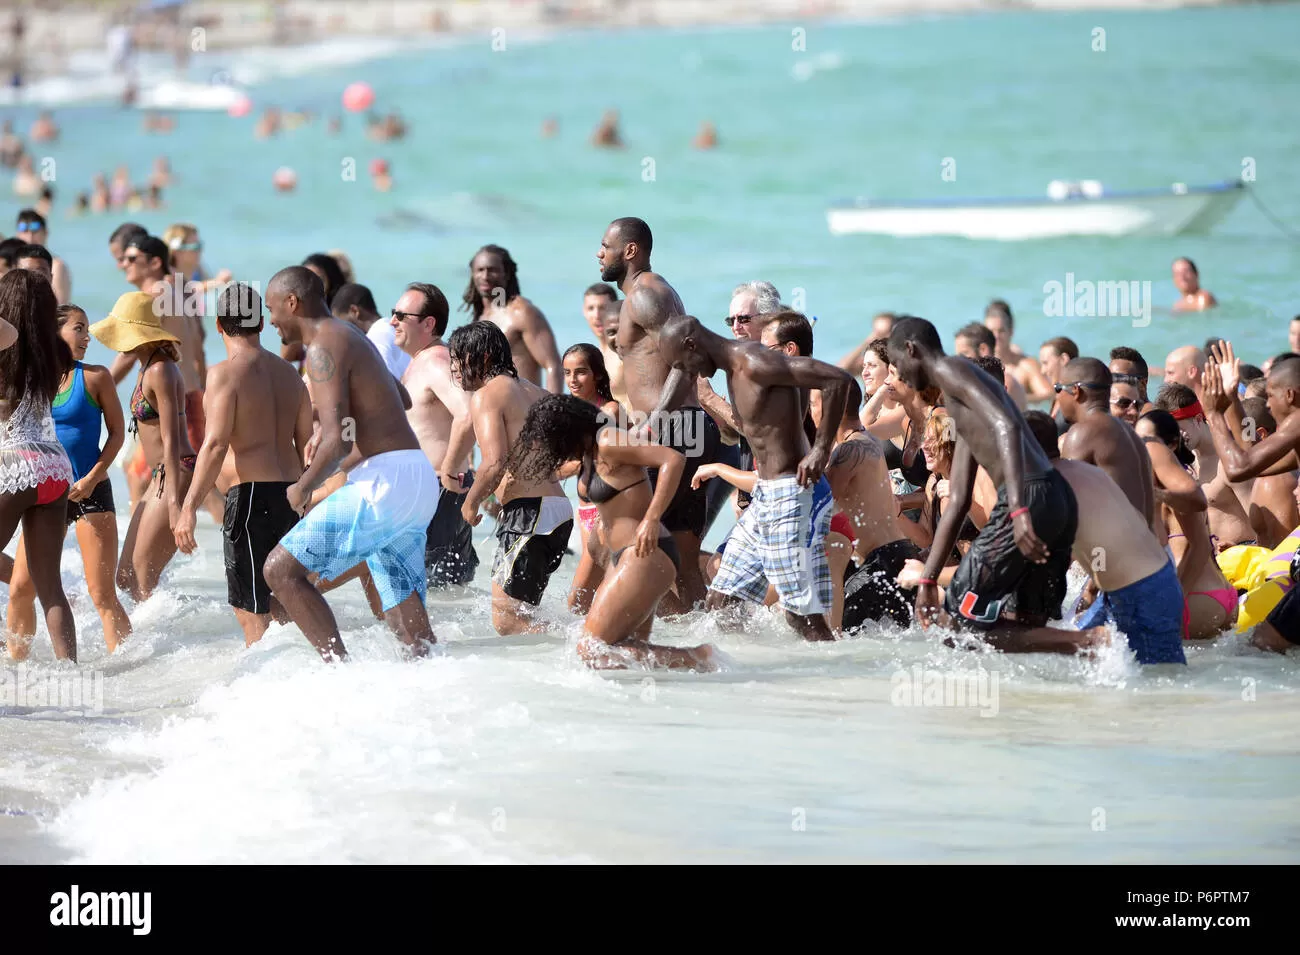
x: 403, y: 316
x: 1077, y: 384
x: 1124, y: 379
x: 1123, y: 404
x: 128, y: 259
x: 733, y: 320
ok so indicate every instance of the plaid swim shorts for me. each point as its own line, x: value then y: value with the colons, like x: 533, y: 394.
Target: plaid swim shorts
x: 781, y: 539
x: 381, y: 516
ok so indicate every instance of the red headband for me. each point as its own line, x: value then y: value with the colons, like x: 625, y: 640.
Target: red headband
x: 1194, y: 410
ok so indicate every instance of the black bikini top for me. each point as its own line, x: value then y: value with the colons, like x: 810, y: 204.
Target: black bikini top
x: 594, y: 488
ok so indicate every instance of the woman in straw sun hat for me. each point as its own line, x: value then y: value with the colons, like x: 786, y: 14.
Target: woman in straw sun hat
x: 35, y: 472
x: 158, y: 419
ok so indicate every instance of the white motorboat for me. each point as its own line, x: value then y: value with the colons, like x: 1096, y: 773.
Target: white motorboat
x: 1068, y: 209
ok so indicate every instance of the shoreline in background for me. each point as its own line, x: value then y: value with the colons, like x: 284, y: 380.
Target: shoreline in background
x: 61, y: 29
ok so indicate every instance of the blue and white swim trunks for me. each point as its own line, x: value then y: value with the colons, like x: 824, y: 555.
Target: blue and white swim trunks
x: 381, y: 516
x: 781, y: 539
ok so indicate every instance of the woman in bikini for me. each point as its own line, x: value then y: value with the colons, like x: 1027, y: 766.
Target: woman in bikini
x: 35, y: 472
x: 1211, y: 600
x: 586, y: 378
x: 643, y: 562
x: 158, y: 419
x: 86, y: 397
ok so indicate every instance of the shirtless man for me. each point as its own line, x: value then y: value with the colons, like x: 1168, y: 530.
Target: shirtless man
x: 419, y: 321
x: 536, y: 518
x: 1185, y: 366
x: 1191, y: 297
x: 1020, y: 558
x: 998, y: 320
x: 1138, y: 584
x: 32, y: 227
x: 781, y: 537
x: 1098, y: 439
x: 599, y: 301
x: 654, y: 385
x: 382, y: 513
x: 974, y: 340
x: 493, y: 295
x: 117, y: 241
x: 258, y: 411
x: 1273, y: 512
x: 610, y: 317
x: 1129, y: 368
x: 1229, y: 520
x: 860, y: 483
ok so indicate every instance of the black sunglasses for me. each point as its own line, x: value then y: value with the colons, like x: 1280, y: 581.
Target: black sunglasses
x: 402, y: 316
x: 1123, y: 404
x: 1124, y: 379
x: 738, y: 319
x: 1078, y: 384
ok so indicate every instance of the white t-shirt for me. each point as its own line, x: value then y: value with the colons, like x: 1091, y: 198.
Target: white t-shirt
x: 385, y: 339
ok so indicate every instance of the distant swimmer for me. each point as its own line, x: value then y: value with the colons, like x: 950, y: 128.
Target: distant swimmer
x: 259, y: 420
x: 439, y: 414
x: 381, y: 515
x: 44, y: 129
x: 536, y: 518
x: 1020, y: 558
x: 612, y: 475
x: 607, y: 135
x: 781, y: 537
x: 26, y: 182
x: 1191, y: 297
x: 707, y: 137
x: 268, y: 124
x: 493, y: 295
x: 550, y: 127
x: 381, y: 175
x: 654, y: 385
x: 11, y: 147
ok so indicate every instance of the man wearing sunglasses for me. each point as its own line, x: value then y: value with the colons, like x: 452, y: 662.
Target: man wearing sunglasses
x: 31, y: 228
x: 1097, y: 438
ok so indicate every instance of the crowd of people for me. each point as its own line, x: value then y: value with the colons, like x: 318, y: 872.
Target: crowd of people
x: 899, y: 485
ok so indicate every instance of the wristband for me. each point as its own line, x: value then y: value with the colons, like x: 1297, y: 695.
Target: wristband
x: 928, y: 582
x: 1018, y: 511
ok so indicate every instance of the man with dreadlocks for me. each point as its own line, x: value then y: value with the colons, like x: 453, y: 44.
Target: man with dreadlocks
x: 493, y: 295
x: 536, y: 517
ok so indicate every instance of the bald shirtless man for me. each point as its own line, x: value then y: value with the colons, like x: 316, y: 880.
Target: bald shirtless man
x: 861, y: 485
x: 419, y: 321
x: 493, y: 295
x: 654, y: 385
x: 382, y: 513
x: 1139, y: 586
x: 781, y: 537
x: 536, y: 518
x: 259, y: 423
x: 1097, y: 438
x: 1184, y: 366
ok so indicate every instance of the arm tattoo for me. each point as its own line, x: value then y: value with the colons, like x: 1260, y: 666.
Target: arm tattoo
x: 320, y: 364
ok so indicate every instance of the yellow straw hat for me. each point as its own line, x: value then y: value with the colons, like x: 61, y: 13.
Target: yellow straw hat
x: 132, y: 323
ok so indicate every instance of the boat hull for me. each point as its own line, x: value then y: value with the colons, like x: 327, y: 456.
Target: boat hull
x: 1164, y: 213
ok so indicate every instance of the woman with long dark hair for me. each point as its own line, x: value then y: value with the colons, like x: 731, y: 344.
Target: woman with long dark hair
x: 158, y: 419
x: 1211, y: 600
x: 612, y: 473
x: 586, y: 378
x: 35, y: 472
x: 86, y: 398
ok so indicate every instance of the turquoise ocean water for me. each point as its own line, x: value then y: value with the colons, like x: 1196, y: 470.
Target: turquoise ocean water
x: 506, y: 750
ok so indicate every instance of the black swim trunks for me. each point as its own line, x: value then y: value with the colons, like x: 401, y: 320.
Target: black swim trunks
x: 870, y: 592
x: 666, y: 544
x: 994, y: 576
x: 532, y: 535
x: 257, y: 515
x: 98, y: 501
x: 692, y: 432
x: 449, y: 556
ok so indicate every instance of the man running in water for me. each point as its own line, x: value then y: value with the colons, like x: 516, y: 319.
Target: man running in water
x: 1019, y: 560
x: 781, y: 537
x: 493, y: 294
x: 259, y: 412
x: 536, y: 518
x: 382, y: 513
x: 419, y: 322
x: 653, y: 384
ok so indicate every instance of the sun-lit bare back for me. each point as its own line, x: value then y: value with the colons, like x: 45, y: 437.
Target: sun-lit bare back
x: 1112, y: 541
x: 270, y: 407
x: 508, y: 399
x: 860, y: 481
